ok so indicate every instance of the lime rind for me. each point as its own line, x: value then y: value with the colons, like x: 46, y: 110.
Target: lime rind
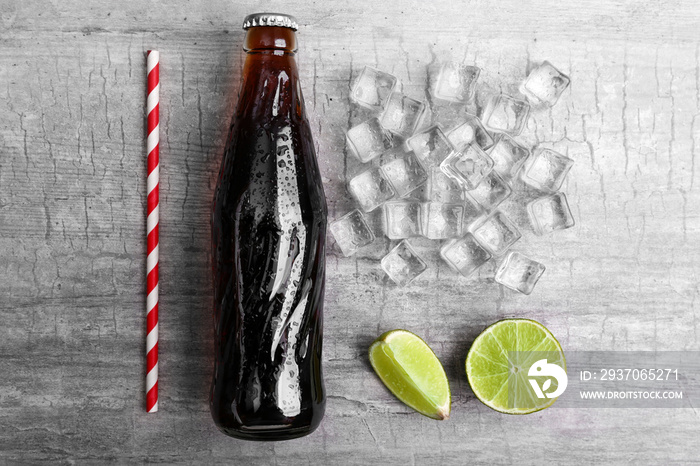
x: 412, y: 372
x: 485, y: 368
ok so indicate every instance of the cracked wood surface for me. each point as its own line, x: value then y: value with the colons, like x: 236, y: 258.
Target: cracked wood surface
x: 72, y: 249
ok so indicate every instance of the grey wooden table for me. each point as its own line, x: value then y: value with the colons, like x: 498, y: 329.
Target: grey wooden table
x: 72, y: 225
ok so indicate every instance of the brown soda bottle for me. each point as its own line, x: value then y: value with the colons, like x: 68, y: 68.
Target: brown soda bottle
x: 268, y: 243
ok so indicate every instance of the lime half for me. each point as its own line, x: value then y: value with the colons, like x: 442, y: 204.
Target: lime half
x: 499, y: 361
x: 410, y: 369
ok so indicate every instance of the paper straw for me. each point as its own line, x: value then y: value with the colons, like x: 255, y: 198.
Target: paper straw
x: 152, y: 148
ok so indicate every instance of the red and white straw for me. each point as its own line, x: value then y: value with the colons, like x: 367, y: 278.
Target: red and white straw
x: 152, y: 148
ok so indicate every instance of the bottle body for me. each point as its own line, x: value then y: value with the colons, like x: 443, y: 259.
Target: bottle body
x: 268, y: 241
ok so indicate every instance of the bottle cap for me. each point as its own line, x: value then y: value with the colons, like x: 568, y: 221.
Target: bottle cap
x: 270, y: 19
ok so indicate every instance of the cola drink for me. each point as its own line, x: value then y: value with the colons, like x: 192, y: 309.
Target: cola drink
x: 268, y: 244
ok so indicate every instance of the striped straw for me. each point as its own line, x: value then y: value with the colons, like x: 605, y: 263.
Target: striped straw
x: 152, y: 147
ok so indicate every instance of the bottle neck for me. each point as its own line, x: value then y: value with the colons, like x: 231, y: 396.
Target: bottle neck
x: 261, y: 38
x: 270, y: 77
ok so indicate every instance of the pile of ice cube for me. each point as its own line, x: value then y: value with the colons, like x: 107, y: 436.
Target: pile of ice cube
x: 464, y: 173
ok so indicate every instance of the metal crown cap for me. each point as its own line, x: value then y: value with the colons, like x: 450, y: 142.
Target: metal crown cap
x: 270, y: 19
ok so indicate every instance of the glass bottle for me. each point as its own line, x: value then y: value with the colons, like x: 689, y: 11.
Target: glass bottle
x: 268, y: 243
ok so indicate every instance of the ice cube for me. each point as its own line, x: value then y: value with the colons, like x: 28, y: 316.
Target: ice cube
x: 368, y: 140
x: 508, y: 157
x: 402, y: 219
x: 371, y: 189
x: 546, y: 170
x: 519, y: 273
x: 505, y: 114
x: 472, y: 211
x: 351, y: 232
x: 456, y: 82
x: 402, y: 264
x: 405, y: 174
x: 447, y: 115
x: 491, y: 191
x: 544, y: 84
x: 442, y: 188
x: 464, y: 255
x: 402, y: 114
x: 430, y: 146
x: 372, y: 89
x: 550, y: 213
x: 472, y: 130
x: 442, y: 221
x: 496, y: 233
x: 468, y: 165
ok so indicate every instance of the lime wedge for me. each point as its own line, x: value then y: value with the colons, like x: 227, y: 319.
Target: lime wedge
x: 410, y: 369
x: 498, y: 366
